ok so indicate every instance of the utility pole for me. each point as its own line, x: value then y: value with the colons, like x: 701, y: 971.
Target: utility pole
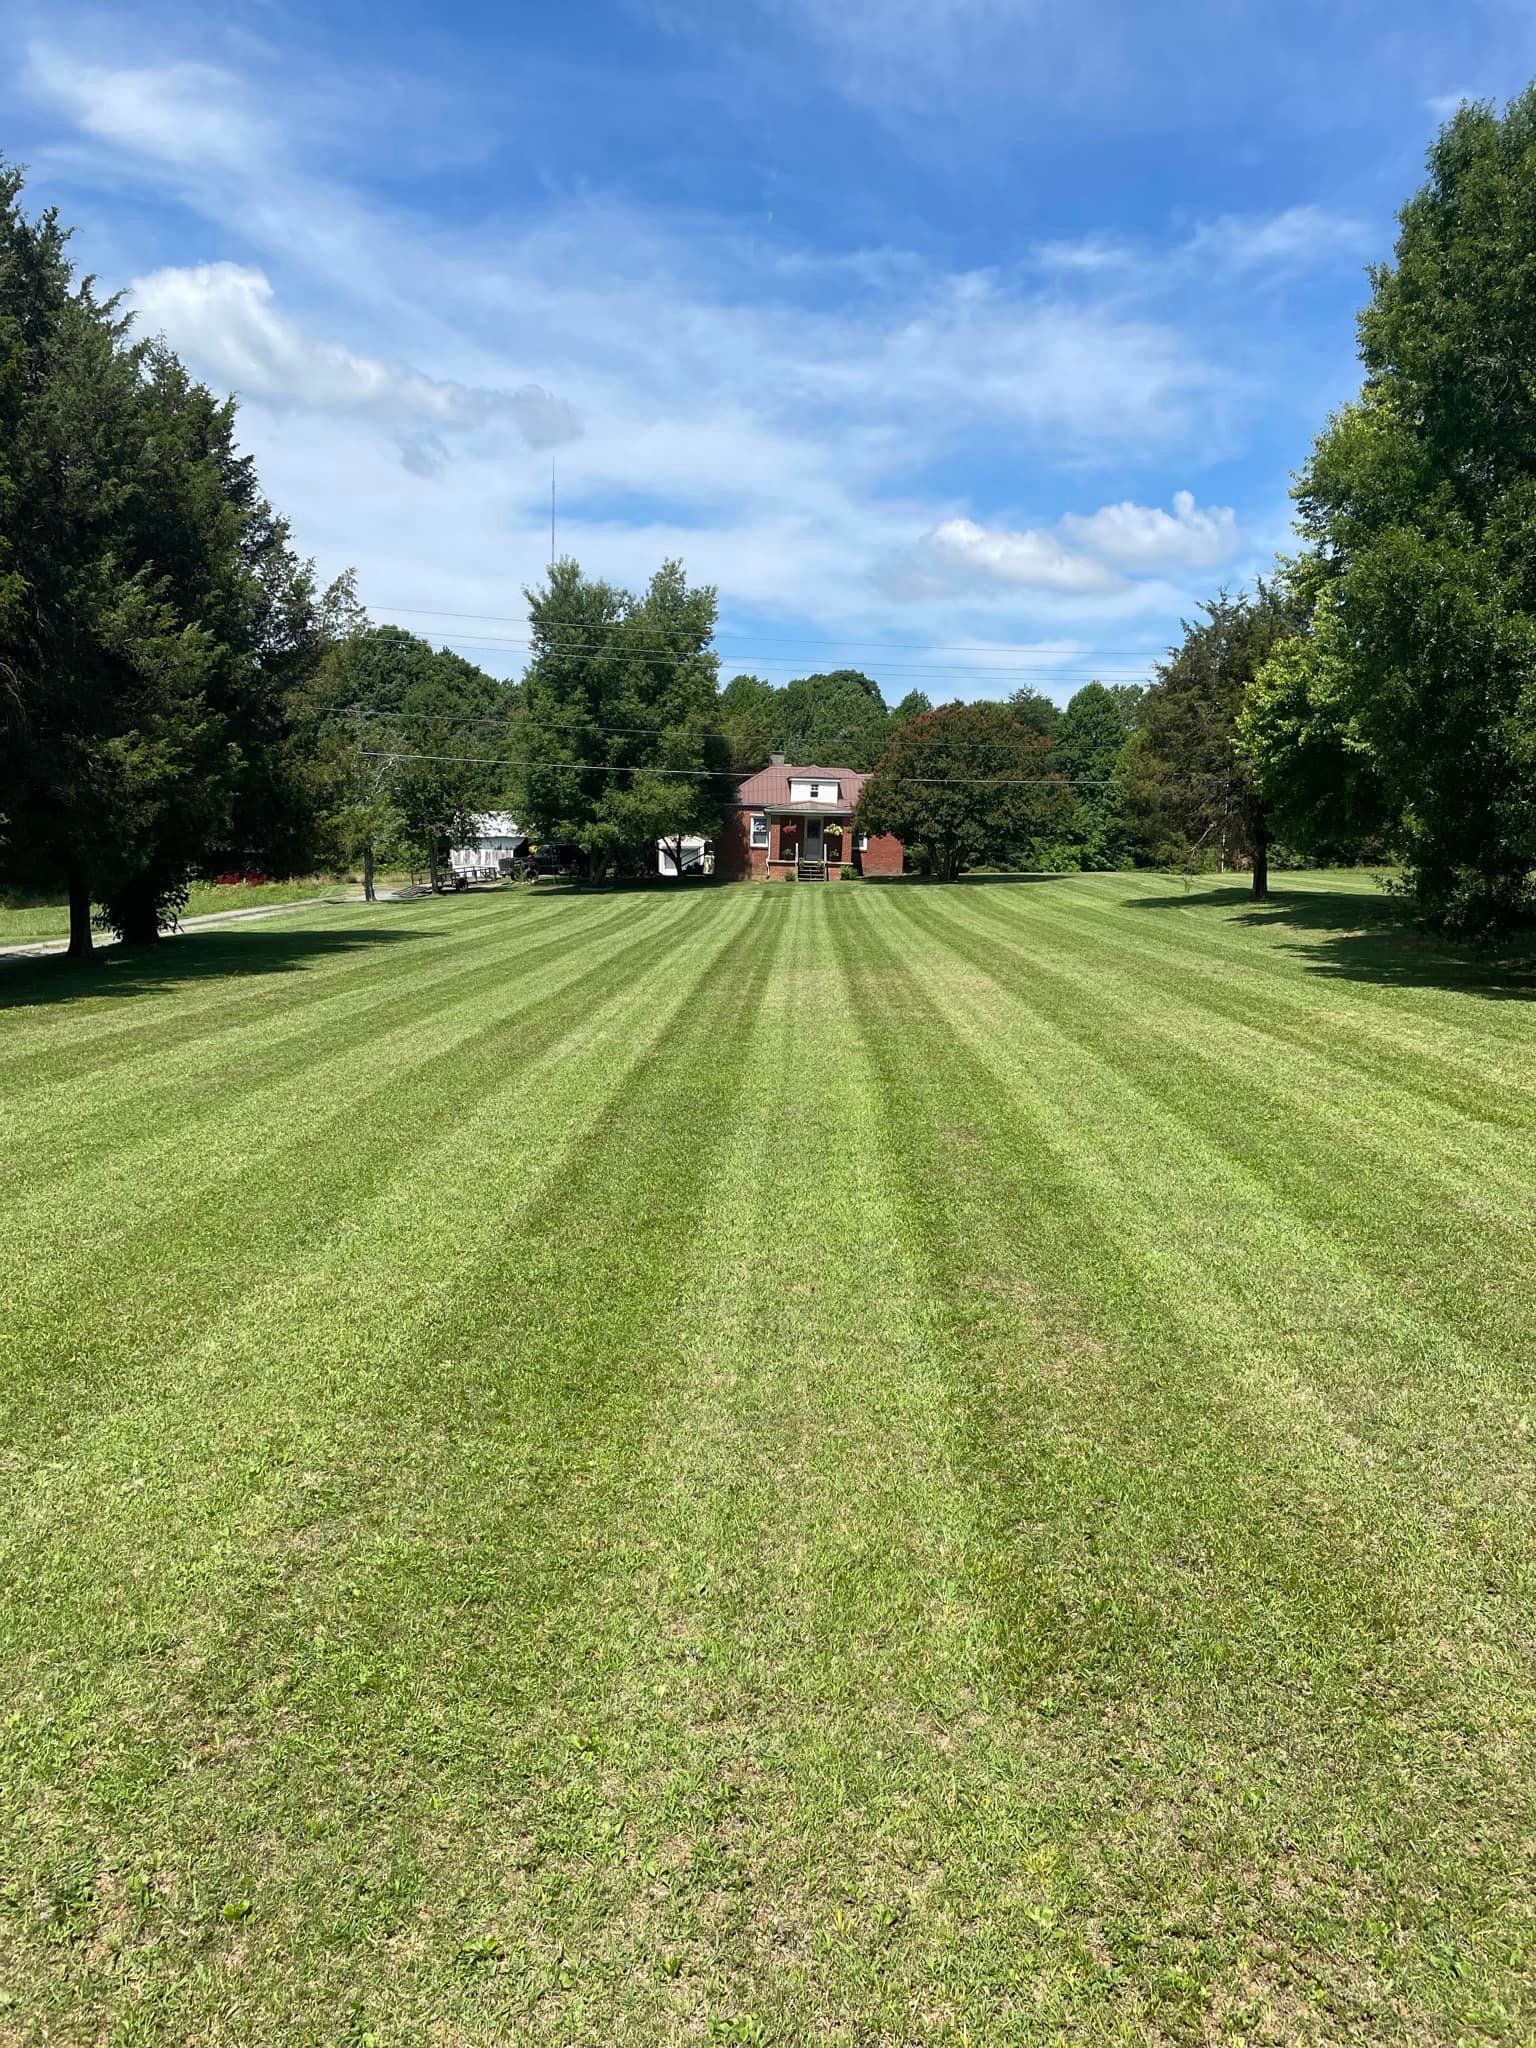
x: 551, y: 515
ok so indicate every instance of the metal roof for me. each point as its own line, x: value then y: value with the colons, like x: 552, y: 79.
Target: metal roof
x: 768, y: 790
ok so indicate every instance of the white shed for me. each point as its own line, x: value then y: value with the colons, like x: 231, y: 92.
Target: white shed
x: 499, y: 837
x: 696, y: 859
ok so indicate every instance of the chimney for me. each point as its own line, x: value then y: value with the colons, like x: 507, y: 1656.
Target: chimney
x: 775, y: 760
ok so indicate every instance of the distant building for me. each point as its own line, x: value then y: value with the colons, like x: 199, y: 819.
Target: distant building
x: 791, y: 824
x: 697, y: 858
x: 492, y: 853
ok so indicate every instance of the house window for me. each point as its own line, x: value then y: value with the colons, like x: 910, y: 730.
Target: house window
x: 861, y: 841
x: 759, y: 830
x: 815, y: 791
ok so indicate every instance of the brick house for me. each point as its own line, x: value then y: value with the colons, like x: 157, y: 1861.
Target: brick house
x: 796, y: 824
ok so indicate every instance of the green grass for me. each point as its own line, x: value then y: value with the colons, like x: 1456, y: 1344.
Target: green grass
x: 24, y: 918
x: 865, y: 1465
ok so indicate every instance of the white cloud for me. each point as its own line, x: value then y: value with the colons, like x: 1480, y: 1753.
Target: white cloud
x: 913, y: 54
x: 1143, y: 538
x: 1092, y: 254
x: 1300, y: 235
x: 223, y: 316
x: 774, y: 416
x: 1099, y: 552
x: 1444, y: 104
x: 1031, y: 559
x: 1232, y: 245
x: 179, y: 114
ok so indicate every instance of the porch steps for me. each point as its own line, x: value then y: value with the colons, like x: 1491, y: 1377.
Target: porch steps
x: 810, y: 871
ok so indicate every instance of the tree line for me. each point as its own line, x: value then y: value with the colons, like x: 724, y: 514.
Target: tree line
x: 179, y: 694
x: 1375, y: 698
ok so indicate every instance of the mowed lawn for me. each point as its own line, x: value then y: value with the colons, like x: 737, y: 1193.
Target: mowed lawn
x: 771, y: 1465
x: 26, y: 921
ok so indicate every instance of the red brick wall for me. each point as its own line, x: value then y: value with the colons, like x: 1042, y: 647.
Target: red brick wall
x: 882, y: 856
x: 737, y: 859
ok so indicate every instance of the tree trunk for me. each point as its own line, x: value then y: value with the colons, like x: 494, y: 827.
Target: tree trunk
x: 1260, y: 855
x: 368, y: 895
x: 80, y: 947
x: 137, y: 910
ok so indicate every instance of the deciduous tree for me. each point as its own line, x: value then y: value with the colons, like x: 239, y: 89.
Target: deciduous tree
x: 834, y: 720
x: 749, y: 717
x: 620, y: 721
x: 410, y: 744
x: 1091, y: 746
x: 966, y: 783
x: 913, y: 705
x: 1420, y: 505
x: 1032, y: 708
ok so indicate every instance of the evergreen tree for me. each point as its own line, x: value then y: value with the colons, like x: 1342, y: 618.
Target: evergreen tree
x: 78, y: 775
x: 1189, y: 783
x: 152, y: 613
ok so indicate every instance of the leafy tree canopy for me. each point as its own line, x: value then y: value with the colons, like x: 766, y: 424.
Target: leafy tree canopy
x: 1091, y: 747
x: 835, y: 720
x: 1033, y: 709
x: 1188, y: 781
x: 1419, y: 681
x: 407, y: 745
x: 620, y: 724
x: 749, y: 717
x: 966, y: 783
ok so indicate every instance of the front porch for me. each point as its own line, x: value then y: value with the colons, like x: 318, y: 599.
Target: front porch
x: 809, y: 846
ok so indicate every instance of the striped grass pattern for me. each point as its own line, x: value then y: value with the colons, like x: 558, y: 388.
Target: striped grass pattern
x: 850, y: 1465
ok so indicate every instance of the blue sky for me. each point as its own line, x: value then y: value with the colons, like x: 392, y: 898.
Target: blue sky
x: 968, y: 341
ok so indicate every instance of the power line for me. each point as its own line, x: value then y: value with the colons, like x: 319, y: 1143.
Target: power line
x: 1091, y: 672
x: 503, y: 719
x: 720, y: 774
x: 822, y: 640
x: 508, y: 722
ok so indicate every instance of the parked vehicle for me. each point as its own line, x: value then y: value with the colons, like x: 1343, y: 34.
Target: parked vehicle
x: 554, y: 859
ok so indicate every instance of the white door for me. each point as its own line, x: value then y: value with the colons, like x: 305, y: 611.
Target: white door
x: 813, y: 846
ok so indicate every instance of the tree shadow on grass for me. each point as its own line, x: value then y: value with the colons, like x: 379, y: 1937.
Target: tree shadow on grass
x: 234, y: 954
x: 1350, y: 936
